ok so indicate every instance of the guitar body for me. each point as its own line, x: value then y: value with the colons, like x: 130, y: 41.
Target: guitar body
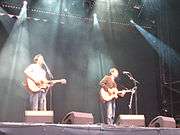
x: 111, y: 93
x: 31, y: 86
x: 108, y: 95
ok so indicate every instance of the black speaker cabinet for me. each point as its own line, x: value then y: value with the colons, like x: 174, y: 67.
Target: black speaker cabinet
x: 131, y: 120
x: 162, y: 121
x: 39, y: 116
x: 78, y: 118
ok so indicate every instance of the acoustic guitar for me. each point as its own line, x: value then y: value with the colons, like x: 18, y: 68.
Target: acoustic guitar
x: 113, y: 93
x: 32, y: 86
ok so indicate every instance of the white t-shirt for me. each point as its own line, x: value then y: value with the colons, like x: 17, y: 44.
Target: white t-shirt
x: 38, y: 73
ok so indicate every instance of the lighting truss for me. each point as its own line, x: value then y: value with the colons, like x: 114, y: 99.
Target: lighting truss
x: 38, y: 10
x: 89, y: 3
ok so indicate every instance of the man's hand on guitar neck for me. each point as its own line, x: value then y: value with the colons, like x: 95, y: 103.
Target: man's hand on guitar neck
x: 63, y: 81
x: 133, y: 91
x: 122, y: 94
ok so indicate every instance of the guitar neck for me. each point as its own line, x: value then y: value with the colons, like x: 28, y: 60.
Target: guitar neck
x: 54, y: 81
x: 125, y: 91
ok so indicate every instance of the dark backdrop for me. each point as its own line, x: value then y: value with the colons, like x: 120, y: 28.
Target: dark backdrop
x: 82, y: 53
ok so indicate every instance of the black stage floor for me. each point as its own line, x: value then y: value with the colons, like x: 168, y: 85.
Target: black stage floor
x: 9, y: 128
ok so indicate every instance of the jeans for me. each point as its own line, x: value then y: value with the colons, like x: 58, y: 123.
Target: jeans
x: 38, y: 101
x: 110, y: 108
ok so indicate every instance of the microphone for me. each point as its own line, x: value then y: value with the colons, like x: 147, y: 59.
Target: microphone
x: 125, y: 72
x: 128, y: 74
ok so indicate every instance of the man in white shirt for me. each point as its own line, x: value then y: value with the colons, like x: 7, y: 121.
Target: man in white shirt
x: 36, y: 75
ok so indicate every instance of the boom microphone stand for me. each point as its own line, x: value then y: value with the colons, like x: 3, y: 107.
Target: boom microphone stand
x: 50, y: 78
x: 134, y: 89
x: 131, y: 99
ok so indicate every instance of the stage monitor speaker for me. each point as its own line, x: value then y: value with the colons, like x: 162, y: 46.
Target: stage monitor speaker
x: 161, y: 121
x: 78, y: 118
x: 131, y: 120
x: 39, y: 116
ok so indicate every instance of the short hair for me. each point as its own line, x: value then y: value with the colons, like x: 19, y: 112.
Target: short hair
x: 113, y: 70
x: 36, y: 57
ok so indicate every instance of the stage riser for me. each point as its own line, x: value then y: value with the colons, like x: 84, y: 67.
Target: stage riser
x: 73, y: 130
x: 131, y: 120
x: 39, y: 116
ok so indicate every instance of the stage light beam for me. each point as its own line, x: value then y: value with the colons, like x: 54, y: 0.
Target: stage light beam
x: 23, y: 13
x: 14, y: 57
x: 159, y: 46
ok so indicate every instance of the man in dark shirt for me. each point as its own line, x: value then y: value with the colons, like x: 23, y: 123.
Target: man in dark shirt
x: 108, y: 83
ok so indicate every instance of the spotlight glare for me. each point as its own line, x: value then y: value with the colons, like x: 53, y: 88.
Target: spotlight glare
x: 2, y: 14
x: 11, y: 16
x: 137, y: 7
x: 95, y: 15
x: 44, y: 20
x: 95, y: 19
x: 50, y: 2
x: 65, y: 10
x: 131, y: 21
x: 25, y: 2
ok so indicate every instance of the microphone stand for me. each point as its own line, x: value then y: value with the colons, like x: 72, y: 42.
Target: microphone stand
x: 50, y: 88
x: 48, y: 71
x: 132, y: 93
